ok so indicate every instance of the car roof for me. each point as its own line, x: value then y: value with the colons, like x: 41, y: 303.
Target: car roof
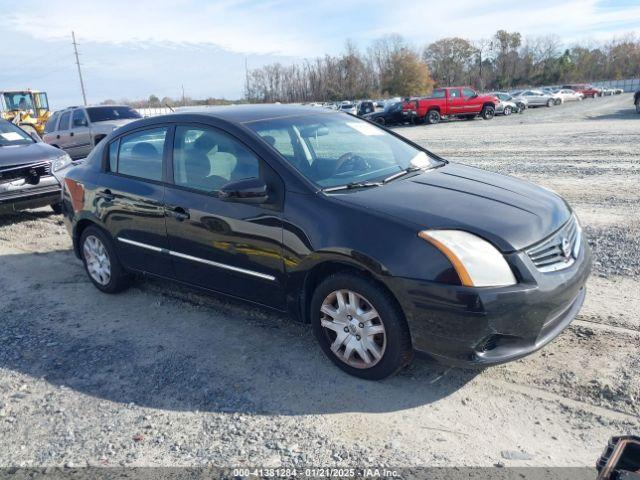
x: 243, y: 113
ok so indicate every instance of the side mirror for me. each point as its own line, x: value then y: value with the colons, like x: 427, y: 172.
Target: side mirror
x: 250, y: 190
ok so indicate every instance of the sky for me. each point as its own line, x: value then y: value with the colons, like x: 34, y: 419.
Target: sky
x: 130, y: 49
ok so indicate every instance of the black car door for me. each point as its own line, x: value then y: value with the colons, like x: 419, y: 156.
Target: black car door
x: 234, y: 248
x: 130, y: 199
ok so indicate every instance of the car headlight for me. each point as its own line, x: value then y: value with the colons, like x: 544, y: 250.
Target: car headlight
x: 61, y: 162
x: 477, y: 262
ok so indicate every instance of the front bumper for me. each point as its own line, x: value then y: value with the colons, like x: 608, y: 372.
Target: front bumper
x: 466, y: 326
x: 19, y: 195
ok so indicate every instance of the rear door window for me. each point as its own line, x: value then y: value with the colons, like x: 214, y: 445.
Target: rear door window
x: 140, y: 154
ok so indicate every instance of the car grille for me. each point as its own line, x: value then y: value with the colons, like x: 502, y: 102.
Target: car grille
x: 560, y: 250
x: 34, y: 170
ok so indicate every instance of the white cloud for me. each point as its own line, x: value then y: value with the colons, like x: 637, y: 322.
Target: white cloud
x: 305, y: 29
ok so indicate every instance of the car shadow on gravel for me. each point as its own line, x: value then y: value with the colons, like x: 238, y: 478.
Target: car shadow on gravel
x: 622, y: 114
x: 24, y: 216
x: 162, y: 346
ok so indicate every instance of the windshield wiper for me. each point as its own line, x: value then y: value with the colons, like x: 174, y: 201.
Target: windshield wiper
x: 401, y: 173
x: 352, y: 185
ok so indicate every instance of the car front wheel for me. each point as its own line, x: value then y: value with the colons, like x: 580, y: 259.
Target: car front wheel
x: 550, y: 103
x: 488, y: 112
x: 100, y: 261
x: 360, y: 327
x: 507, y: 110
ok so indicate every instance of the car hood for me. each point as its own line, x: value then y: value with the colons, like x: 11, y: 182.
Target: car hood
x: 25, y: 154
x: 510, y: 213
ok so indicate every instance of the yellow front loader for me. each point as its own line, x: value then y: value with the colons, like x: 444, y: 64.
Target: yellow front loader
x: 28, y: 109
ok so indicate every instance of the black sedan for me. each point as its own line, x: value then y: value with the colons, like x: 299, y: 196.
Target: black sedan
x: 383, y: 247
x: 28, y: 171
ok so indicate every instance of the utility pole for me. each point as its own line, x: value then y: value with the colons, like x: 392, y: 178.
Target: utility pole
x: 246, y: 79
x: 75, y: 49
x: 184, y: 102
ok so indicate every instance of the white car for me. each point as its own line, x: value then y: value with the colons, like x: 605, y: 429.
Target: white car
x: 348, y: 107
x: 568, y: 95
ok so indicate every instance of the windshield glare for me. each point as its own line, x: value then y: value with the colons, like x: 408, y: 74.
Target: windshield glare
x: 334, y: 150
x: 104, y: 114
x: 11, y: 135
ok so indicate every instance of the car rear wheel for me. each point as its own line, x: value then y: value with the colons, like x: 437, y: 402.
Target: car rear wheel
x: 488, y: 112
x: 433, y: 117
x: 100, y: 261
x: 550, y: 103
x: 557, y: 101
x: 507, y: 110
x: 360, y: 327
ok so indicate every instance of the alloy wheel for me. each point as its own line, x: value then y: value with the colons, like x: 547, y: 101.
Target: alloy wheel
x: 354, y: 329
x: 97, y: 260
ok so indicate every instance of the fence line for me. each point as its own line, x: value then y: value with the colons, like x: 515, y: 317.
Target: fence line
x: 628, y: 84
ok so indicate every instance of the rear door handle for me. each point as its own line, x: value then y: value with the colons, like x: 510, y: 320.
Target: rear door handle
x: 178, y: 213
x: 106, y: 194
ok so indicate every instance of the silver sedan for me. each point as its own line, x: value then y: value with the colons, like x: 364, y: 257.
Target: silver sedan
x: 507, y: 104
x: 536, y: 98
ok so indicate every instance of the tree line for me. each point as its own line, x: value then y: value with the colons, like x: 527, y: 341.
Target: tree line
x: 390, y: 66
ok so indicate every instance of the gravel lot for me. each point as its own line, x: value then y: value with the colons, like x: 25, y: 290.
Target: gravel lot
x: 147, y: 377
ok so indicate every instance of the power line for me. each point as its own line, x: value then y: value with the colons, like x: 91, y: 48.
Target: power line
x: 75, y: 49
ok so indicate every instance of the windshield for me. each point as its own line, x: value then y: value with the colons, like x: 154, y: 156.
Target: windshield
x: 334, y: 150
x: 11, y: 135
x: 18, y: 101
x: 391, y: 106
x: 104, y: 114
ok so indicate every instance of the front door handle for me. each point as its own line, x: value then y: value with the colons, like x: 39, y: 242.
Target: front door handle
x: 178, y: 213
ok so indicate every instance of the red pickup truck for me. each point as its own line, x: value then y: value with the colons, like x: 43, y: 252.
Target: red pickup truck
x: 585, y: 89
x: 462, y: 102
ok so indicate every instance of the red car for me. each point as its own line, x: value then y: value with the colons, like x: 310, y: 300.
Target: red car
x: 585, y: 89
x: 462, y: 102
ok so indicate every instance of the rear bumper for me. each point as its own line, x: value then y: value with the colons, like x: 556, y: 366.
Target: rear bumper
x: 17, y: 195
x: 465, y: 326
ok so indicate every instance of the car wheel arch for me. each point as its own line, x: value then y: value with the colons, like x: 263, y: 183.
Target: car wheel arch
x: 324, y: 269
x: 80, y: 226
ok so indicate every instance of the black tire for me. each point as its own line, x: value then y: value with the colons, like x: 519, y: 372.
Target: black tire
x: 433, y: 117
x: 57, y: 208
x: 488, y: 112
x: 550, y: 102
x: 557, y: 101
x: 521, y: 107
x: 507, y: 110
x: 119, y: 278
x: 398, y: 351
x: 638, y: 105
x: 380, y: 120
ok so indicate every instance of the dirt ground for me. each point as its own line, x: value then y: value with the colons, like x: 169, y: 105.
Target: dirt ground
x: 161, y: 375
